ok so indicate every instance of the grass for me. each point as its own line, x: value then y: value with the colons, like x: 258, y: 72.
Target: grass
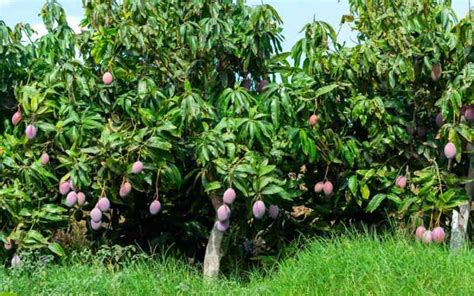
x: 347, y: 265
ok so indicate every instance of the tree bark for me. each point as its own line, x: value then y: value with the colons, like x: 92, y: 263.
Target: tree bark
x: 460, y: 220
x: 212, y: 258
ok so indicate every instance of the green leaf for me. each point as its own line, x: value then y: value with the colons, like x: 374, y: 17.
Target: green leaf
x: 56, y: 249
x: 245, y: 168
x: 347, y: 18
x: 324, y: 90
x: 142, y: 88
x: 348, y: 155
x: 46, y: 127
x: 91, y: 150
x: 265, y: 170
x: 353, y: 184
x: 391, y: 79
x: 212, y: 186
x: 25, y: 212
x: 156, y: 142
x: 35, y: 236
x: 241, y: 187
x: 375, y: 202
x: 365, y: 191
x: 272, y: 189
x: 394, y: 198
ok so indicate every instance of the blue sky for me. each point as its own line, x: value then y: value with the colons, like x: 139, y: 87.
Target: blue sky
x: 295, y: 14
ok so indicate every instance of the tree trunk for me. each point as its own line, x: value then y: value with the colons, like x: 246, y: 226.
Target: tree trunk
x: 212, y: 258
x: 460, y: 220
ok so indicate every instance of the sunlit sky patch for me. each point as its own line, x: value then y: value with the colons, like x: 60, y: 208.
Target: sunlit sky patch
x: 295, y: 14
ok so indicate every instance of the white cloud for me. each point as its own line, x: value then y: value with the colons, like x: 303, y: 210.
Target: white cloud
x: 74, y: 22
x: 5, y: 3
x: 40, y: 29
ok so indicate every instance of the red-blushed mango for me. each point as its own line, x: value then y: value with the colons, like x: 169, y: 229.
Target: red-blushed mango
x: 103, y: 204
x: 318, y: 187
x: 96, y: 225
x: 30, y: 132
x: 137, y: 167
x: 469, y: 113
x: 427, y: 237
x: 155, y: 207
x: 438, y: 235
x: 16, y: 261
x: 8, y: 245
x: 125, y: 189
x: 71, y: 199
x: 222, y: 225
x: 450, y: 151
x: 81, y: 198
x: 64, y: 187
x: 262, y: 84
x: 71, y: 185
x: 247, y: 84
x: 273, y: 211
x: 223, y: 213
x: 107, y: 78
x: 436, y: 72
x: 328, y: 188
x: 16, y: 118
x: 96, y: 215
x: 420, y: 230
x: 401, y: 182
x: 258, y: 209
x: 439, y: 120
x: 313, y: 120
x: 421, y: 131
x: 44, y: 159
x: 229, y: 196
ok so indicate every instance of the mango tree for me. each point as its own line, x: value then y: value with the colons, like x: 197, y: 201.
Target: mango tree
x: 395, y: 109
x: 153, y: 106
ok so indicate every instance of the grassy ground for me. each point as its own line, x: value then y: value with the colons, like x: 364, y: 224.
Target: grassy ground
x: 350, y: 265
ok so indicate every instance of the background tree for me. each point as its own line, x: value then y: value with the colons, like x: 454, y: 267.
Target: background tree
x: 389, y: 105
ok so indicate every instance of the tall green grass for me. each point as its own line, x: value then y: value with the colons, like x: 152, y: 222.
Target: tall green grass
x: 346, y: 265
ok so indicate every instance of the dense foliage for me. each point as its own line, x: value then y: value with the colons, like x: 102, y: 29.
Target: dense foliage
x: 175, y: 104
x: 200, y: 93
x: 378, y: 102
